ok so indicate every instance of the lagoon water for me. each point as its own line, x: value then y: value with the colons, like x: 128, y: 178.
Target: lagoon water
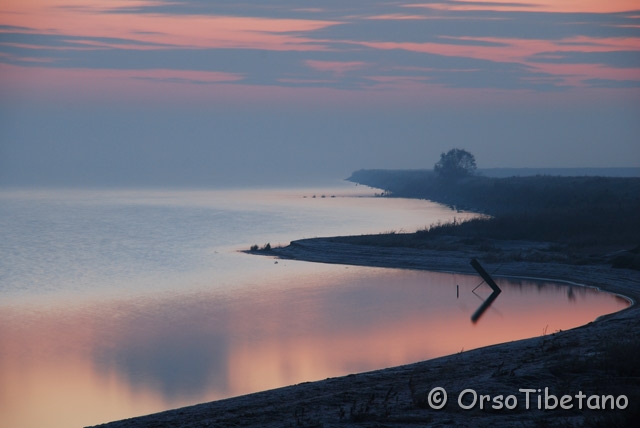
x: 118, y: 303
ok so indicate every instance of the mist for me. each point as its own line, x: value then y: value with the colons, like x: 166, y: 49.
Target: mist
x: 213, y: 148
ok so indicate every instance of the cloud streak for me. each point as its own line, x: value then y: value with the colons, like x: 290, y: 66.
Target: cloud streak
x: 355, y: 46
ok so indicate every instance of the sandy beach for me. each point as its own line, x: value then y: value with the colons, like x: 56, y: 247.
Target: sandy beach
x: 600, y: 359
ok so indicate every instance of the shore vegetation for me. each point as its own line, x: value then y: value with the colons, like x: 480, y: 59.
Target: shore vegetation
x: 576, y: 214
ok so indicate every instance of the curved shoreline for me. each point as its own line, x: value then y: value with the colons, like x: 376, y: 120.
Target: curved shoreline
x: 631, y: 300
x: 596, y: 358
x: 316, y: 249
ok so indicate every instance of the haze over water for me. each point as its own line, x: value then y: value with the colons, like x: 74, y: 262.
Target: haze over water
x: 117, y: 303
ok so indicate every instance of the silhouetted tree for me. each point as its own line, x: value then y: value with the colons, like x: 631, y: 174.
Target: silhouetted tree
x: 455, y: 163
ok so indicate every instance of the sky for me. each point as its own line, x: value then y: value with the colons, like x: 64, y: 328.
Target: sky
x: 232, y: 93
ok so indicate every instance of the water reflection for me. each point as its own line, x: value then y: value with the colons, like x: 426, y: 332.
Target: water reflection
x: 109, y: 360
x: 484, y: 306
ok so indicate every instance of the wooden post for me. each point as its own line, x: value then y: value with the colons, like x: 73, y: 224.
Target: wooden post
x: 483, y: 273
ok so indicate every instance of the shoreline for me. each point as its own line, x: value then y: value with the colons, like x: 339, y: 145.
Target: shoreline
x: 599, y: 358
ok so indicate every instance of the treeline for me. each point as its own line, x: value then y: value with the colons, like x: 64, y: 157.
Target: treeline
x: 578, y: 210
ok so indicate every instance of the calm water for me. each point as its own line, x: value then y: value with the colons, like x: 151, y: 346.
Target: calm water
x: 121, y: 303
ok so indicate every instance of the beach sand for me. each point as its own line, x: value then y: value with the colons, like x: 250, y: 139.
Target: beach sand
x: 600, y: 358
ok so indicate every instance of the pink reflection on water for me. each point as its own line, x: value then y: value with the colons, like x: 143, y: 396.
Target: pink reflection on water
x: 105, y: 361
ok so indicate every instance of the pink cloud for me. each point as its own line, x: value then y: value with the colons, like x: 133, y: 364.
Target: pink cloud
x: 336, y: 67
x: 585, y: 6
x: 86, y: 19
x: 396, y: 17
x: 522, y: 50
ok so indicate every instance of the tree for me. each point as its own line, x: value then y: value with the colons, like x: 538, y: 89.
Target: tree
x: 455, y: 163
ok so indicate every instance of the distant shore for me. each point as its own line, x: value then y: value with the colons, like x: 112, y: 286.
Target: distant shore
x: 600, y: 358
